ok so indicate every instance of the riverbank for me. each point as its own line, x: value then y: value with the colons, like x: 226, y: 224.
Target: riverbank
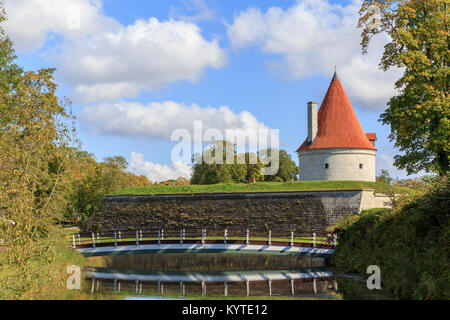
x: 410, y: 244
x: 41, y: 277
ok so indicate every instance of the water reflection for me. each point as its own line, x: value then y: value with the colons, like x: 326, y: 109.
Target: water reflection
x: 206, y: 262
x: 191, y: 276
x: 244, y: 283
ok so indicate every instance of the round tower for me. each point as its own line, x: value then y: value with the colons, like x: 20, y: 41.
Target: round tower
x: 336, y: 147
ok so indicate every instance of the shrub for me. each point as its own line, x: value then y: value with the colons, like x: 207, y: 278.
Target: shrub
x: 410, y: 244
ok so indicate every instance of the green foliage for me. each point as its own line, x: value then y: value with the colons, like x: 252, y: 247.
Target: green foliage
x: 287, y: 171
x: 33, y: 140
x: 419, y: 45
x: 384, y: 176
x: 243, y: 168
x: 408, y: 243
x: 88, y: 181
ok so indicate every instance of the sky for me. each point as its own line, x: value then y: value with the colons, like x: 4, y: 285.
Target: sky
x: 137, y: 70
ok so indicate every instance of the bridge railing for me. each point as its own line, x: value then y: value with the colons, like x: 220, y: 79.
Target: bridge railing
x: 203, y: 236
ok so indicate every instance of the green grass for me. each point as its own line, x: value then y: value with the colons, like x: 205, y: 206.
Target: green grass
x: 264, y: 187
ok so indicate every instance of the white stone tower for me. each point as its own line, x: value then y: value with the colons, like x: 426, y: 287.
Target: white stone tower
x: 336, y: 147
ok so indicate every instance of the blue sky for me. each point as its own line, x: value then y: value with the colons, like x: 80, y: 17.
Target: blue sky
x: 136, y: 70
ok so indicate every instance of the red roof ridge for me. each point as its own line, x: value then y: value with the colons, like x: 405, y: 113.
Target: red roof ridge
x: 338, y: 125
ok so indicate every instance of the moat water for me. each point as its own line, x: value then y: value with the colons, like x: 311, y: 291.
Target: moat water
x: 219, y: 276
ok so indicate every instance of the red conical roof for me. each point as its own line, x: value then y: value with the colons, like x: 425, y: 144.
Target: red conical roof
x: 338, y: 126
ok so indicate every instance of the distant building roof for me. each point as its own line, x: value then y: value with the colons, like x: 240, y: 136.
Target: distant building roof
x: 338, y: 126
x: 371, y: 136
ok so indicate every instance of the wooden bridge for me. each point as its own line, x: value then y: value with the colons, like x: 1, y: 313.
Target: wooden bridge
x: 204, y: 241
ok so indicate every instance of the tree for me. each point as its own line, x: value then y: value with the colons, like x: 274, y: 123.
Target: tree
x: 213, y: 168
x: 33, y: 158
x: 384, y: 176
x: 246, y: 167
x: 88, y: 181
x: 419, y: 45
x: 287, y: 170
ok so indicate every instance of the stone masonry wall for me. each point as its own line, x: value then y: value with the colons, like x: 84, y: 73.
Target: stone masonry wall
x: 308, y: 211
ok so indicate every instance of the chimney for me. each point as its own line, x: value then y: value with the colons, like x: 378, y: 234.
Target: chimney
x: 312, y: 121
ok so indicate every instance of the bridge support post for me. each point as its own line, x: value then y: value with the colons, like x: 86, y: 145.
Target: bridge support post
x: 115, y: 285
x: 225, y: 235
x: 79, y: 239
x: 203, y: 236
x: 314, y: 286
x: 292, y: 287
x: 247, y: 236
x: 159, y: 287
x: 203, y: 288
x: 247, y: 285
x: 137, y: 286
x: 93, y: 240
x: 98, y: 237
x: 137, y: 238
x: 140, y: 233
x: 225, y: 288
x: 73, y: 242
x: 270, y: 238
x: 270, y: 287
x: 181, y: 289
x: 181, y: 236
x: 93, y: 285
x: 159, y: 236
x: 115, y: 239
x: 314, y: 240
x: 119, y: 236
x: 292, y: 238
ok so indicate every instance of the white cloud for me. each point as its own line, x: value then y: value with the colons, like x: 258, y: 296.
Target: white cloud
x: 158, y: 120
x: 312, y: 37
x: 105, y: 60
x: 31, y: 21
x: 158, y: 172
x: 147, y: 55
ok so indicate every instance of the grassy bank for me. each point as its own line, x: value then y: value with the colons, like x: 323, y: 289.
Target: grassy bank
x: 410, y: 244
x: 40, y: 277
x: 265, y: 187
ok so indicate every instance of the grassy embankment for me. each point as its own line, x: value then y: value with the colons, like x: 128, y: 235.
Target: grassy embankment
x: 410, y: 244
x: 47, y: 273
x: 266, y: 187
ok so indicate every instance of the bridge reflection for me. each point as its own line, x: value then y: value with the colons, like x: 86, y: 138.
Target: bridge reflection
x: 302, y: 282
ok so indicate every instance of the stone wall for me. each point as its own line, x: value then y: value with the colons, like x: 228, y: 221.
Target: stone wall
x: 307, y: 211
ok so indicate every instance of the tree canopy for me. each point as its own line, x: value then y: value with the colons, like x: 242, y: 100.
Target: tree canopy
x: 244, y: 167
x: 419, y: 45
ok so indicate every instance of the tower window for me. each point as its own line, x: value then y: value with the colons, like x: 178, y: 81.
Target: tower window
x: 361, y: 166
x: 326, y: 165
